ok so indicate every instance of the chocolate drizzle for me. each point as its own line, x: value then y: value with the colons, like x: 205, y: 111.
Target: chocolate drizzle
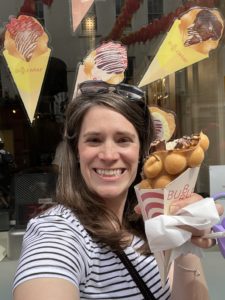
x: 206, y: 26
x: 25, y: 31
x: 186, y: 142
x: 111, y: 58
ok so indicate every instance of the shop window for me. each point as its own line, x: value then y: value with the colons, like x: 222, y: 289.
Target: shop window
x: 39, y: 11
x: 119, y: 6
x: 89, y: 23
x: 155, y: 9
x: 129, y: 74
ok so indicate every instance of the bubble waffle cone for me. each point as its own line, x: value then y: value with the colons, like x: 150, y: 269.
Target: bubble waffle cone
x: 169, y: 174
x: 164, y: 165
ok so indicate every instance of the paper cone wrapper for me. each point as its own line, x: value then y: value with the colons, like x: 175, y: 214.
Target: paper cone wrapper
x: 28, y: 77
x: 171, y: 56
x: 163, y: 261
x: 154, y: 202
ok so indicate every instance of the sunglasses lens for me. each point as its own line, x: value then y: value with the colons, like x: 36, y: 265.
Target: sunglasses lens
x: 93, y: 87
x: 99, y: 87
x: 130, y: 91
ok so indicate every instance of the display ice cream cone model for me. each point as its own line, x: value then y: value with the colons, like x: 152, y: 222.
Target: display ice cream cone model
x: 164, y: 122
x: 201, y: 29
x: 108, y: 62
x: 169, y: 160
x: 79, y: 9
x: 27, y: 54
x: 190, y: 39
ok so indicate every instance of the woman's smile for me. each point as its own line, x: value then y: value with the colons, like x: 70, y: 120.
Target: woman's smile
x: 109, y: 172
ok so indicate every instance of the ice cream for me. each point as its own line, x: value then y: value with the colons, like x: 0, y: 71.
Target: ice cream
x: 25, y: 38
x: 26, y: 53
x: 190, y: 39
x: 108, y: 62
x: 201, y: 29
x: 164, y: 122
x: 169, y: 160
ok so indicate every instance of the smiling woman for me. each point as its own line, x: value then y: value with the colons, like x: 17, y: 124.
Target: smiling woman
x: 74, y: 249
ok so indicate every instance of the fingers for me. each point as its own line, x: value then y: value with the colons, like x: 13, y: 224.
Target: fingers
x: 177, y: 205
x: 220, y: 209
x: 137, y: 209
x: 195, y: 232
x: 203, y: 243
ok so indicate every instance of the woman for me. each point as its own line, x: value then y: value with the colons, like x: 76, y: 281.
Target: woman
x: 71, y: 251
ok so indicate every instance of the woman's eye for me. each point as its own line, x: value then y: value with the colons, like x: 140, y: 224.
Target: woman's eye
x: 93, y: 141
x: 125, y: 140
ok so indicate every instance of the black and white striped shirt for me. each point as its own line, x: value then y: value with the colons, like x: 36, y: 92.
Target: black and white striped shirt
x: 57, y: 245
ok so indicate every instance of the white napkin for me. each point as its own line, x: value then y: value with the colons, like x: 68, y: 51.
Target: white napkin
x: 162, y: 231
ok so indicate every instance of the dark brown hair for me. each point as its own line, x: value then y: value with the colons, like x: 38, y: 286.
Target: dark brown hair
x: 72, y: 190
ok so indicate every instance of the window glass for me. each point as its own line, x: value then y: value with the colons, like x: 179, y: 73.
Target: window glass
x: 195, y: 93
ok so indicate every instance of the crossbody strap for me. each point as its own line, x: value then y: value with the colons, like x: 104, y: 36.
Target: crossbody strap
x: 135, y: 275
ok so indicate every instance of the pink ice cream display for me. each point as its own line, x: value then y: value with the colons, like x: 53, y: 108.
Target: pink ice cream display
x: 108, y: 62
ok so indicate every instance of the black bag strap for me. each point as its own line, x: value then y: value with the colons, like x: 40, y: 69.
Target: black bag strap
x: 135, y: 275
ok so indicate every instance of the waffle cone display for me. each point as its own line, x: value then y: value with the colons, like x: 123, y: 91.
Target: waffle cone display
x: 189, y: 40
x: 28, y: 77
x: 201, y: 29
x: 164, y: 122
x: 27, y: 55
x: 107, y: 62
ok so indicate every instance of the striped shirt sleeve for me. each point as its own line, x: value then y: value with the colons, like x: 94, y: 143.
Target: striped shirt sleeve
x: 51, y: 248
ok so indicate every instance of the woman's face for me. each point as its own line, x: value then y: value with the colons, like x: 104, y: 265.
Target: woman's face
x: 108, y: 148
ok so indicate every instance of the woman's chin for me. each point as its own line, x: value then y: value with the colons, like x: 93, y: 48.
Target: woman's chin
x: 111, y: 194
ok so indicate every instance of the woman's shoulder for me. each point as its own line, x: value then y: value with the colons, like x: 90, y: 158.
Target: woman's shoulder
x: 57, y: 212
x: 58, y: 219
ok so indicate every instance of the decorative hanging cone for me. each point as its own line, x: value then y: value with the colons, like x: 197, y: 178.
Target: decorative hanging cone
x: 108, y: 62
x: 189, y: 40
x: 28, y: 77
x: 79, y: 9
x: 26, y: 53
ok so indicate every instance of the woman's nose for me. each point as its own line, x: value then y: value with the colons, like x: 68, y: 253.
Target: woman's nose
x: 109, y: 151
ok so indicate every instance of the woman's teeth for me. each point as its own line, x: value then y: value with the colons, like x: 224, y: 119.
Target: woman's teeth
x: 114, y: 172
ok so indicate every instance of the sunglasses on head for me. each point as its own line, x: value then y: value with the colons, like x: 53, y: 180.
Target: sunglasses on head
x: 92, y: 87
